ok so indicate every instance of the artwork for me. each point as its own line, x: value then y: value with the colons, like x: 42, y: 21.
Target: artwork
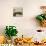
x: 18, y: 12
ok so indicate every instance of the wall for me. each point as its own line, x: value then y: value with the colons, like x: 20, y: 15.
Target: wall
x: 27, y: 24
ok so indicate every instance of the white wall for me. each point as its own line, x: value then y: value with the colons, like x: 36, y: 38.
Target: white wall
x: 26, y: 24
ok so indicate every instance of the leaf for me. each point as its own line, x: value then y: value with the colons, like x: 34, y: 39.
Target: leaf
x: 11, y: 32
x: 40, y: 18
x: 45, y: 16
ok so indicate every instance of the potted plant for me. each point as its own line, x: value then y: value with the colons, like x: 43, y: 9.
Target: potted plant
x: 42, y: 17
x: 10, y: 31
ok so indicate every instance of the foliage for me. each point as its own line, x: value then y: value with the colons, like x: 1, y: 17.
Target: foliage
x: 11, y: 31
x: 41, y: 17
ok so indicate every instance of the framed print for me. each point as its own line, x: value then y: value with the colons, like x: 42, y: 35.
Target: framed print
x: 18, y: 12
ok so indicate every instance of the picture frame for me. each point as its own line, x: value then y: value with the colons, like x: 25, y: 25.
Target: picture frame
x: 18, y: 12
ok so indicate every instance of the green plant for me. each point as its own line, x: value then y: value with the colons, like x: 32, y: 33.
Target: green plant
x: 41, y: 17
x: 11, y: 31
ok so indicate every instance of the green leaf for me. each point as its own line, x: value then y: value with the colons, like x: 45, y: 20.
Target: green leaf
x: 45, y: 16
x: 40, y: 18
x: 10, y: 31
